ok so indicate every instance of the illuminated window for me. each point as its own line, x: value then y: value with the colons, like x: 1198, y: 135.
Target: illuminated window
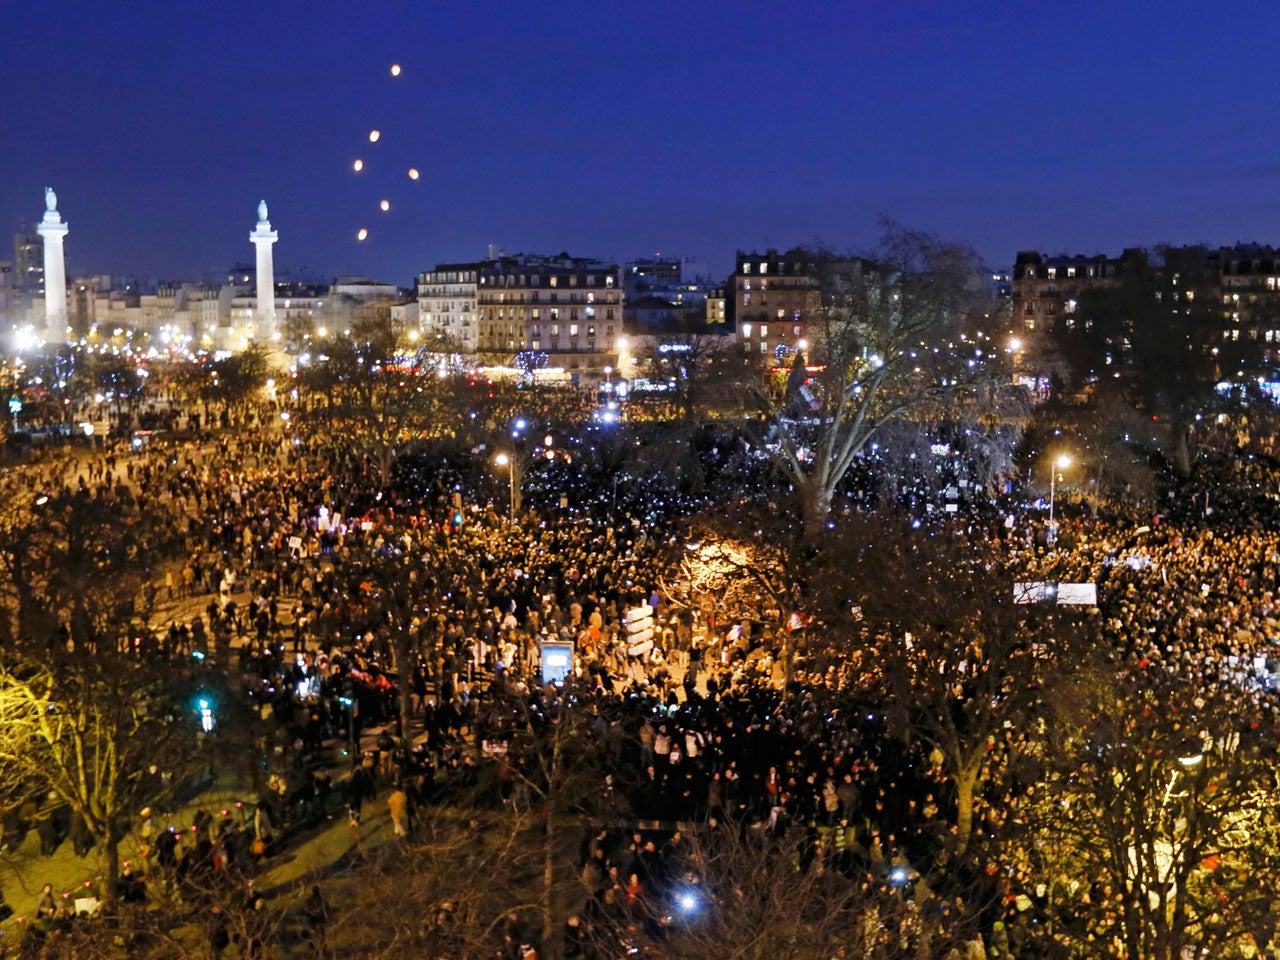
x: 764, y: 330
x: 746, y: 268
x: 573, y: 329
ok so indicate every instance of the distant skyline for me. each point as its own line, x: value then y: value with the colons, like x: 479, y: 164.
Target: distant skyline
x: 623, y: 130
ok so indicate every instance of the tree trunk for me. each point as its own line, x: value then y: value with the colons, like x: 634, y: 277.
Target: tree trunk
x: 964, y: 810
x: 386, y: 458
x: 549, y: 876
x: 403, y: 690
x: 1182, y: 450
x: 555, y: 775
x: 815, y: 507
x: 110, y: 869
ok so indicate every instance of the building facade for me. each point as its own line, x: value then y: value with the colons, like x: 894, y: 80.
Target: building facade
x: 566, y: 308
x: 447, y: 299
x: 1046, y: 288
x: 776, y: 301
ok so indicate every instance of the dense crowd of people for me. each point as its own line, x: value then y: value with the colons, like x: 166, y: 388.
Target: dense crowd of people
x: 338, y: 604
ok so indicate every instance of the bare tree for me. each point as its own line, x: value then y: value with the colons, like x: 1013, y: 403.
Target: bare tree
x: 886, y: 342
x: 375, y: 388
x: 762, y: 896
x: 88, y: 730
x: 964, y: 668
x: 1154, y: 822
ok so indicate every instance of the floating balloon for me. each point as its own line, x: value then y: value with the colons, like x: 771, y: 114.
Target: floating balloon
x: 362, y: 234
x: 374, y: 135
x: 358, y: 165
x: 413, y: 173
x: 395, y: 69
x: 385, y: 205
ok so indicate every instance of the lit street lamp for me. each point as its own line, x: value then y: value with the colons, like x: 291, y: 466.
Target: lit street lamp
x: 1061, y: 463
x: 516, y: 466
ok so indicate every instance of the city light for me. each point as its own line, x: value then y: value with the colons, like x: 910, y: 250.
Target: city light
x: 689, y: 901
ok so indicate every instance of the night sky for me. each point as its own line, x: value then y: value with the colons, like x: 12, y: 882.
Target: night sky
x: 622, y: 130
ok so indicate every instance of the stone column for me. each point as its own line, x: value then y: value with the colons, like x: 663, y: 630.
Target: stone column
x: 265, y: 313
x: 53, y: 230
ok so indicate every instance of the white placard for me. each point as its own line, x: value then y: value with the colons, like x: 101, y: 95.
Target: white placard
x: 1030, y: 592
x: 1078, y: 594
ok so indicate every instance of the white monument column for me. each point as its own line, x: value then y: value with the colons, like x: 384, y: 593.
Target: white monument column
x: 52, y: 230
x: 263, y: 237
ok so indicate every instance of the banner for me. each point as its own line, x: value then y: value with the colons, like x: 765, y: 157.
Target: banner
x: 1078, y: 594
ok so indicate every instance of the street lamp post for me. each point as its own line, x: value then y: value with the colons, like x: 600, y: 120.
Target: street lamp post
x: 1061, y: 463
x: 517, y: 466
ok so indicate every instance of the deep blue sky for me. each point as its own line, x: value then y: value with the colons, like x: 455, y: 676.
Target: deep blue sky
x: 618, y: 130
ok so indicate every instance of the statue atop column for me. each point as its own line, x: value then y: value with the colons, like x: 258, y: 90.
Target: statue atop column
x: 262, y: 211
x: 50, y: 200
